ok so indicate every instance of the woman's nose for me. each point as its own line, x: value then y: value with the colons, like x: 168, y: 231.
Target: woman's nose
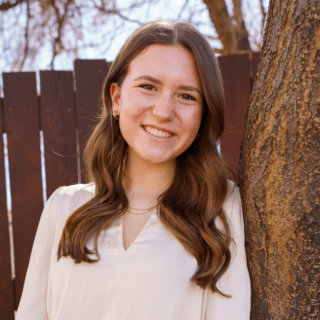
x: 164, y: 107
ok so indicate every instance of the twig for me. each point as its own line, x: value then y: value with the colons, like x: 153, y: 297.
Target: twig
x: 26, y: 36
x: 263, y: 12
x: 8, y: 5
x: 182, y: 9
x: 60, y: 21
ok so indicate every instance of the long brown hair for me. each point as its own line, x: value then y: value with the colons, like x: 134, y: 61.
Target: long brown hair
x: 191, y: 204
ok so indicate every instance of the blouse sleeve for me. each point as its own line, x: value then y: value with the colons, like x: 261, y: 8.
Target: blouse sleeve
x: 33, y: 302
x: 235, y: 281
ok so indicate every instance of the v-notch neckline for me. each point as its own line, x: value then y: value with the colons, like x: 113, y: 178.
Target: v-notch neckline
x: 142, y: 229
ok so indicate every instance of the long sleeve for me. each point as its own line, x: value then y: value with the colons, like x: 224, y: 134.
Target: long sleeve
x: 33, y: 302
x: 236, y: 280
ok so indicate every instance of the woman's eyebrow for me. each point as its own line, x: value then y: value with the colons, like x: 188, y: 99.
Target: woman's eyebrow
x: 157, y: 81
x: 152, y: 79
x: 190, y: 88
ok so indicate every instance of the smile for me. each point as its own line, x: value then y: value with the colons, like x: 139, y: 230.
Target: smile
x: 158, y: 133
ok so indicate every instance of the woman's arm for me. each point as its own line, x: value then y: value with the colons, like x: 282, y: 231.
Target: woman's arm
x: 33, y: 302
x: 235, y: 281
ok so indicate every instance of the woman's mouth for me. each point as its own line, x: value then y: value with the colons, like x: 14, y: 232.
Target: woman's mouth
x: 158, y: 133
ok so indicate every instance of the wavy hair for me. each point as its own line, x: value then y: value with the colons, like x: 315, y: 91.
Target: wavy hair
x: 193, y: 201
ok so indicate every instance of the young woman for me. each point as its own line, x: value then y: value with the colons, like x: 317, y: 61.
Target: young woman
x: 157, y: 232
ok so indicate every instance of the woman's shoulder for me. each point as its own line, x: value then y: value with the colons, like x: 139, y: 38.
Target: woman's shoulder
x: 74, y: 190
x: 71, y: 197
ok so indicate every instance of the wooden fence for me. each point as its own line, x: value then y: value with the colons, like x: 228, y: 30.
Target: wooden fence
x: 65, y: 111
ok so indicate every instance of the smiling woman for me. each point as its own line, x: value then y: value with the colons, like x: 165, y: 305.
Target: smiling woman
x: 168, y: 222
x: 160, y: 111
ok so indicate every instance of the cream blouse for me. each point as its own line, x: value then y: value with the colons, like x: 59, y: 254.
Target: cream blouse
x: 148, y: 281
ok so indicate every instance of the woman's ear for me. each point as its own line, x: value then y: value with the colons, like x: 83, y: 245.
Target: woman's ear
x: 115, y: 96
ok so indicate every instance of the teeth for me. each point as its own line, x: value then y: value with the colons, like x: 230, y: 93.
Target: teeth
x: 158, y: 133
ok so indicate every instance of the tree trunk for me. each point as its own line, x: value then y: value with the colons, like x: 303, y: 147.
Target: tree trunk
x: 223, y: 24
x: 232, y: 31
x: 241, y: 33
x: 279, y: 167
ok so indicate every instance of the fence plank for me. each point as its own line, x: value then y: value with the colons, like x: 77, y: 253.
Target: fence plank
x: 236, y: 83
x: 6, y: 285
x: 22, y: 127
x: 89, y: 79
x: 59, y: 128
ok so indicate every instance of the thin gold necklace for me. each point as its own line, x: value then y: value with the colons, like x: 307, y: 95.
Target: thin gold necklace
x: 142, y: 211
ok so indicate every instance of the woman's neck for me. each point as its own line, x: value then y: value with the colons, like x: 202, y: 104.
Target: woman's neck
x: 145, y: 181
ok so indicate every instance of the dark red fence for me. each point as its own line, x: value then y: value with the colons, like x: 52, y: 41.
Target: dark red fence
x: 65, y: 111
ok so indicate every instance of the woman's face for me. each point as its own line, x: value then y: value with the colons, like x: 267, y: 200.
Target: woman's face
x: 159, y: 103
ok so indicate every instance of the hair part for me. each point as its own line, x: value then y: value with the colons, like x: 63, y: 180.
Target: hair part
x: 192, y: 203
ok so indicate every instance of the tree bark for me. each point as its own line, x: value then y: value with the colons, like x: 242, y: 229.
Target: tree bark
x: 279, y: 169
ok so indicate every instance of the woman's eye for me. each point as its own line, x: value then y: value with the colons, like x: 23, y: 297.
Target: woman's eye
x: 188, y: 97
x: 147, y: 87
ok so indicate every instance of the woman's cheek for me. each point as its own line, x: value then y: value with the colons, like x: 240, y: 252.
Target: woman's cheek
x: 141, y: 99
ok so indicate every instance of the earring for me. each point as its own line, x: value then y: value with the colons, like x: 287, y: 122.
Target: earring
x: 116, y: 116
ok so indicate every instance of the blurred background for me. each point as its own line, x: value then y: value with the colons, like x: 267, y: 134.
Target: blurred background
x: 50, y: 34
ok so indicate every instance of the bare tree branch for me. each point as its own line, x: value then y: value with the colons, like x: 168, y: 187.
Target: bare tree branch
x: 139, y: 4
x: 223, y: 24
x: 26, y: 38
x: 196, y: 13
x: 128, y: 19
x: 219, y: 51
x: 182, y: 9
x: 117, y: 12
x: 241, y: 33
x: 57, y: 45
x: 8, y: 5
x: 63, y: 26
x: 211, y: 37
x: 263, y: 13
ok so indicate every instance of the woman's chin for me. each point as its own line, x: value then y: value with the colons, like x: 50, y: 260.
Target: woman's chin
x: 155, y: 159
x: 159, y: 160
